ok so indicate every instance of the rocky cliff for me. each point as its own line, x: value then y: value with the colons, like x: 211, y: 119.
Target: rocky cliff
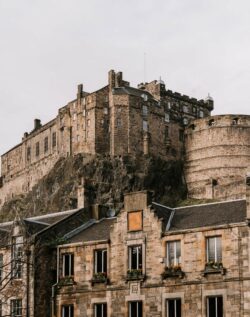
x: 106, y: 180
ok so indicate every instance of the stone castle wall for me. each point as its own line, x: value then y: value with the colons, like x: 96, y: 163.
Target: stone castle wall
x: 115, y: 120
x: 218, y: 156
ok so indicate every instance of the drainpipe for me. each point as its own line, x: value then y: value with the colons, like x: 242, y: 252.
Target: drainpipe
x: 28, y: 253
x: 53, y: 299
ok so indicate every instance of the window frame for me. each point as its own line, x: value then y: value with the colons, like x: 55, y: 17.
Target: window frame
x: 216, y: 305
x: 139, y: 266
x: 16, y: 255
x: 137, y: 308
x: 16, y: 310
x: 208, y: 256
x: 103, y: 265
x: 176, y: 261
x: 46, y: 144
x: 103, y: 314
x: 71, y: 264
x: 71, y: 310
x: 175, y: 299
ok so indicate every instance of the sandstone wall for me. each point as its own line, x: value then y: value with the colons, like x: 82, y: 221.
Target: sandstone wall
x: 218, y: 156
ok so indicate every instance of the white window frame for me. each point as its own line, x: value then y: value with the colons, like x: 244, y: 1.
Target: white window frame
x: 176, y: 262
x: 216, y: 304
x: 215, y: 248
x: 137, y: 256
x: 103, y: 305
x: 175, y: 305
x: 103, y: 257
x: 137, y: 308
x: 71, y: 255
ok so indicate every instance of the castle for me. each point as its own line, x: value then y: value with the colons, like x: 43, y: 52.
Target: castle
x: 114, y: 120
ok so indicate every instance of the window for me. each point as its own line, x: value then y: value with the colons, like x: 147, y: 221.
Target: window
x: 101, y: 261
x: 166, y: 133
x: 135, y: 309
x: 54, y: 139
x: 215, y: 306
x: 46, y: 144
x: 68, y: 264
x: 119, y: 122
x: 194, y: 109
x: 173, y: 253
x: 84, y: 112
x: 105, y: 110
x: 28, y: 153
x: 181, y: 135
x: 100, y: 310
x: 145, y: 110
x: 144, y: 97
x: 16, y: 308
x: 145, y: 125
x: 135, y: 257
x: 74, y: 117
x: 201, y: 114
x: 235, y: 121
x: 173, y: 307
x: 214, y: 252
x: 167, y: 117
x: 185, y: 109
x: 88, y: 123
x: 67, y: 311
x: 185, y: 121
x: 1, y: 268
x: 169, y: 105
x: 37, y: 149
x: 16, y: 257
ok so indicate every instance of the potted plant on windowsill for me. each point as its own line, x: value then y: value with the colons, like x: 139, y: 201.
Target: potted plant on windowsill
x: 66, y: 281
x: 172, y: 271
x: 100, y: 277
x: 214, y: 267
x: 134, y: 274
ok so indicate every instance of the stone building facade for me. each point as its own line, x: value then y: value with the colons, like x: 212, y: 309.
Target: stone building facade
x: 115, y: 120
x: 158, y: 262
x: 217, y: 156
x: 148, y: 260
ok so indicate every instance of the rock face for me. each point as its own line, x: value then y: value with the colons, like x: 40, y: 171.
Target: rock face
x: 105, y: 180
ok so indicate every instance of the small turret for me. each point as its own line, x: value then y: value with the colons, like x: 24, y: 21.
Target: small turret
x: 209, y: 103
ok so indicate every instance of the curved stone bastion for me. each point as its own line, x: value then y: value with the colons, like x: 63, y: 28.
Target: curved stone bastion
x: 217, y: 156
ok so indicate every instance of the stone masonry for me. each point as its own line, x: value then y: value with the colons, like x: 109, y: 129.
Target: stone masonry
x: 115, y: 120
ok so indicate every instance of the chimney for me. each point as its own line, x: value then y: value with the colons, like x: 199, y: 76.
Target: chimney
x: 79, y: 91
x: 137, y: 200
x: 118, y: 79
x: 37, y: 124
x: 112, y: 79
x: 248, y: 195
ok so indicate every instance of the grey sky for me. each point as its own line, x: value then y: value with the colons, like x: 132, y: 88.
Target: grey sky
x: 49, y: 46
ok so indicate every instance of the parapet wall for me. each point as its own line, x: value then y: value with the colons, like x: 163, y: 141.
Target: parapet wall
x: 217, y: 156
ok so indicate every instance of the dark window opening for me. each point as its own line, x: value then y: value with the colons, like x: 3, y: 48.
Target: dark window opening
x: 235, y: 121
x: 173, y: 307
x: 100, y: 310
x: 215, y: 306
x: 37, y: 149
x: 135, y: 309
x: 67, y: 311
x: 135, y: 257
x: 46, y: 144
x: 211, y: 122
x: 68, y: 264
x: 101, y: 261
x: 54, y: 139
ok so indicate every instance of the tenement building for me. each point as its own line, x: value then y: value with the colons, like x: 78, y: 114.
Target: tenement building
x: 148, y: 260
x: 117, y: 120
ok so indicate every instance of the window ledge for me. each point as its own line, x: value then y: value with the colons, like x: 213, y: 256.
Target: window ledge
x: 95, y: 280
x: 214, y: 269
x: 66, y: 281
x: 172, y: 272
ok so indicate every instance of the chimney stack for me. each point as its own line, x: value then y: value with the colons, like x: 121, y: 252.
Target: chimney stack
x: 79, y: 91
x: 248, y: 195
x: 37, y: 124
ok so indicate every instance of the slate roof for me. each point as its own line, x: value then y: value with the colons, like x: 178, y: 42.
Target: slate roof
x: 206, y: 215
x: 126, y: 90
x: 96, y: 231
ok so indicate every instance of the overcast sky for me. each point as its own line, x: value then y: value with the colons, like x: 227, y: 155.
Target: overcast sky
x: 47, y: 47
